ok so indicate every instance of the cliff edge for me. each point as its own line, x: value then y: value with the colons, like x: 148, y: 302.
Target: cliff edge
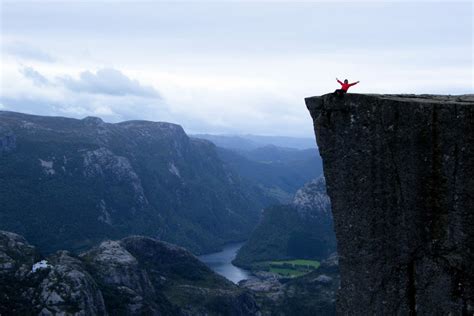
x: 400, y: 176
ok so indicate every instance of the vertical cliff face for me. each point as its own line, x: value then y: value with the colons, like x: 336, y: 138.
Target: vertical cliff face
x: 400, y: 175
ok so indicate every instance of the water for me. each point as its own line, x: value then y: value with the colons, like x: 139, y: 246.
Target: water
x: 221, y: 263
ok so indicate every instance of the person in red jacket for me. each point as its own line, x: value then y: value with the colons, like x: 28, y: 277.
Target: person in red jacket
x: 344, y: 87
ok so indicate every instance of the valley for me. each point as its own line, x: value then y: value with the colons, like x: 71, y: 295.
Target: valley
x: 114, y: 194
x: 138, y: 218
x: 221, y: 263
x: 68, y: 184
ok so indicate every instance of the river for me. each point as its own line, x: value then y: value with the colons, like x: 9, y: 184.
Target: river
x: 221, y: 263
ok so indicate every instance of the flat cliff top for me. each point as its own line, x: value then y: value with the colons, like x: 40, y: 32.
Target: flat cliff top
x: 409, y: 98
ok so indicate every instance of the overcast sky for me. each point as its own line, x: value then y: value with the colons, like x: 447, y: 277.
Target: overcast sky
x: 225, y: 66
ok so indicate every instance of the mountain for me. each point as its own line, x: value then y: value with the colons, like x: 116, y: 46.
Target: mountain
x: 300, y: 230
x: 133, y: 276
x: 279, y: 172
x: 274, y: 154
x: 400, y: 175
x: 230, y: 142
x: 68, y: 184
x: 283, y: 141
x: 250, y: 142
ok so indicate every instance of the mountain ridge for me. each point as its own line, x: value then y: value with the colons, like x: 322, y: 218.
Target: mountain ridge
x: 244, y: 142
x: 91, y: 180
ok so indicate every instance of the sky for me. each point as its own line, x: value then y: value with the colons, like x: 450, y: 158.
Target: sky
x: 225, y: 67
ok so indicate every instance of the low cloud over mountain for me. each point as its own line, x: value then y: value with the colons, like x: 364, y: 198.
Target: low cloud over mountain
x: 107, y: 92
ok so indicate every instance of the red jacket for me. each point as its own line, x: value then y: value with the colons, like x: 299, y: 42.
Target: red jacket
x: 345, y: 86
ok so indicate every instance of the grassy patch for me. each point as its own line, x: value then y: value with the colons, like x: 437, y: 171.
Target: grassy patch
x: 287, y: 272
x: 304, y: 263
x: 288, y: 268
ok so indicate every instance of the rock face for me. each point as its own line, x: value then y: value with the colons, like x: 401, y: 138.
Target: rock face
x: 313, y: 201
x: 400, y: 175
x: 133, y: 276
x: 66, y: 286
x: 69, y: 184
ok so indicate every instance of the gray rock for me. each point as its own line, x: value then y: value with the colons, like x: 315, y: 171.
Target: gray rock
x: 323, y: 279
x: 263, y: 282
x: 400, y: 176
x: 312, y: 200
x: 64, y: 287
x: 120, y: 273
x: 16, y: 255
x: 69, y: 289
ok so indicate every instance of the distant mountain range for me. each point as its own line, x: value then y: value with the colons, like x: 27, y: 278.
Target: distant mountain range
x: 249, y: 142
x: 68, y: 184
x: 278, y: 171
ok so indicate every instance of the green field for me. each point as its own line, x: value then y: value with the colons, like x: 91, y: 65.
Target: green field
x: 288, y: 268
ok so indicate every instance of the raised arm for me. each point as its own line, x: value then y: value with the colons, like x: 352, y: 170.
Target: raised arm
x: 354, y: 83
x: 339, y: 81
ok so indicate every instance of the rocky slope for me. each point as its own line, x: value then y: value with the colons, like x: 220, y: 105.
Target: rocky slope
x: 302, y: 229
x: 400, y: 175
x: 68, y: 184
x: 132, y: 276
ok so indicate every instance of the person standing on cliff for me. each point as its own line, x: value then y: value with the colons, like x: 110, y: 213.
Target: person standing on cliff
x: 344, y: 87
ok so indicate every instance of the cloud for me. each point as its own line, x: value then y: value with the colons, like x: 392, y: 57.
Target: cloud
x: 108, y: 81
x: 26, y: 51
x: 110, y: 108
x: 37, y: 78
x: 220, y: 69
x: 41, y: 91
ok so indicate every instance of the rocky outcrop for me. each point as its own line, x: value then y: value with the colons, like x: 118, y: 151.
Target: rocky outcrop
x: 312, y: 200
x: 58, y: 285
x: 133, y: 276
x: 400, y: 175
x: 66, y: 287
